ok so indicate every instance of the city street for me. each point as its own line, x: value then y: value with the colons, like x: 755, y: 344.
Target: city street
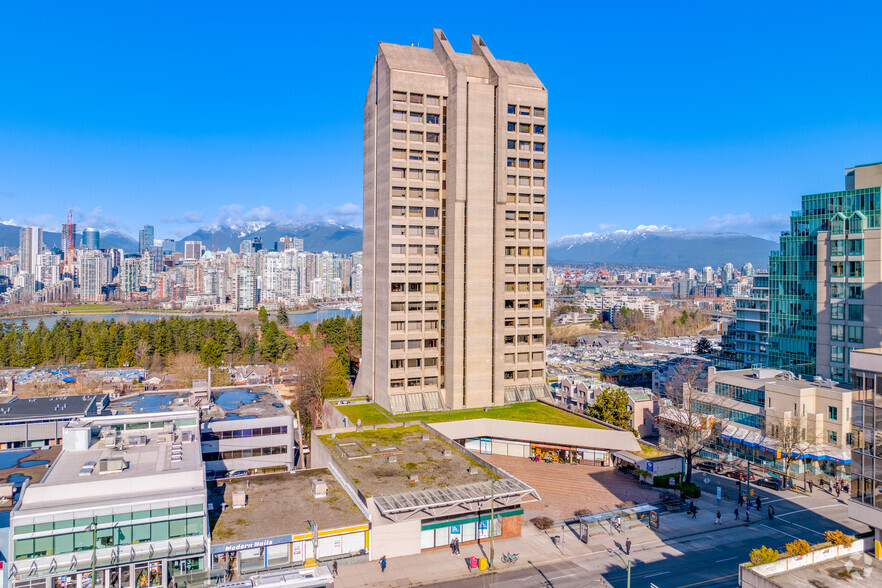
x: 706, y: 559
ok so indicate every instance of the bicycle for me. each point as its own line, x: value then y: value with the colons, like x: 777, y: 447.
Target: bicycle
x: 510, y: 558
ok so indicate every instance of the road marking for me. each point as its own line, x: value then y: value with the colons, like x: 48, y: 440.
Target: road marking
x: 803, y: 527
x: 779, y: 531
x: 784, y: 514
x: 706, y: 581
x: 727, y: 559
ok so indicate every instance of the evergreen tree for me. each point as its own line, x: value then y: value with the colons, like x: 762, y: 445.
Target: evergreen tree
x: 282, y: 316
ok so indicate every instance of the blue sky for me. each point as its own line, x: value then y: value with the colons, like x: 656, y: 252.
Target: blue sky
x: 709, y: 115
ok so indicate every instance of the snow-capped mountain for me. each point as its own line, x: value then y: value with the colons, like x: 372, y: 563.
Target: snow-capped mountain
x: 317, y: 236
x: 663, y: 246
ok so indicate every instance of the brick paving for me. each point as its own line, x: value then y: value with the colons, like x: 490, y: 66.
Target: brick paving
x: 565, y: 488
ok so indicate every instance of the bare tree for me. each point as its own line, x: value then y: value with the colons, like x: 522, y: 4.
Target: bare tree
x: 319, y: 376
x: 794, y: 437
x: 183, y: 369
x: 683, y: 420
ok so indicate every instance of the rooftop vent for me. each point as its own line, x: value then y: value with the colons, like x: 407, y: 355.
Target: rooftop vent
x: 240, y: 499
x: 413, y: 478
x: 392, y: 459
x: 112, y: 465
x: 447, y: 453
x: 473, y: 471
x: 426, y: 437
x: 319, y: 488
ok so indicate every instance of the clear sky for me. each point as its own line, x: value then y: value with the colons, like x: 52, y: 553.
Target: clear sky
x: 713, y: 115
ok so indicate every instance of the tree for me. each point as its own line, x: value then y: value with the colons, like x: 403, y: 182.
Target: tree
x: 262, y: 315
x: 282, y: 316
x: 319, y: 376
x: 611, y: 406
x: 794, y: 436
x: 211, y: 354
x: 304, y: 329
x: 568, y: 290
x: 183, y: 369
x: 683, y: 423
x: 703, y: 347
x: 629, y: 319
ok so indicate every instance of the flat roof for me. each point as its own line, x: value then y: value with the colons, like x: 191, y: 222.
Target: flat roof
x: 364, y: 457
x: 228, y: 404
x: 857, y: 569
x: 18, y: 466
x: 278, y: 504
x: 52, y: 406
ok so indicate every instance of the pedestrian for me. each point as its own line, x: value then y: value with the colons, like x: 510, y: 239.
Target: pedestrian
x: 759, y: 504
x: 837, y: 491
x: 740, y: 500
x: 628, y: 546
x: 771, y: 512
x: 694, y: 511
x: 736, y: 513
x: 334, y: 569
x: 383, y: 564
x: 453, y: 546
x: 811, y: 486
x: 691, y: 506
x: 563, y: 530
x: 456, y: 545
x: 719, y: 520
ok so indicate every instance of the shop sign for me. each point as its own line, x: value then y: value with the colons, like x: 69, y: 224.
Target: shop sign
x: 653, y: 519
x: 455, y: 531
x: 483, y: 529
x: 250, y: 544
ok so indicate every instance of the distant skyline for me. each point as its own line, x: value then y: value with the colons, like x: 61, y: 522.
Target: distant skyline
x: 699, y: 116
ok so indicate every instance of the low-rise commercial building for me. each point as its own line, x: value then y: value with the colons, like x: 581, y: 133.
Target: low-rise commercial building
x: 39, y: 422
x: 123, y: 506
x: 866, y: 453
x: 420, y: 489
x: 284, y: 521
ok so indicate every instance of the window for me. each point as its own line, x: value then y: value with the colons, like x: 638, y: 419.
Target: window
x: 524, y: 127
x: 396, y: 383
x: 431, y: 137
x: 414, y: 287
x: 397, y: 287
x: 415, y: 306
x: 837, y: 353
x: 855, y: 269
x: 414, y: 343
x: 431, y: 325
x: 432, y: 119
x: 538, y: 303
x: 431, y: 381
x: 415, y: 154
x: 432, y: 287
x: 510, y: 180
x: 412, y: 382
x: 431, y: 362
x: 397, y: 230
x: 397, y: 268
x: 397, y: 306
x: 416, y: 136
x: 523, y: 233
x: 538, y: 233
x: 414, y: 268
x: 415, y: 211
x: 538, y: 250
x: 837, y: 247
x: 399, y: 115
x: 856, y: 312
x: 433, y: 100
x: 855, y: 334
x: 416, y: 98
x: 524, y: 215
x: 539, y: 129
x: 398, y: 172
x: 523, y: 181
x: 538, y: 164
x: 399, y: 135
x: 509, y: 250
x: 539, y: 182
x: 415, y: 230
x: 431, y: 343
x: 511, y: 108
x: 414, y: 363
x: 398, y: 210
x: 415, y: 174
x: 433, y: 193
x: 523, y: 145
x: 855, y: 246
x: 415, y: 117
x: 538, y: 338
x: 416, y: 192
x: 837, y: 311
x: 855, y: 291
x: 510, y: 162
x: 432, y: 155
x: 399, y: 154
x: 524, y: 111
x: 837, y: 290
x: 432, y: 306
x: 831, y: 437
x: 538, y: 198
x: 509, y: 215
x: 509, y: 268
x: 399, y: 96
x: 510, y: 233
x: 537, y: 146
x: 415, y: 249
x: 431, y: 268
x: 524, y: 163
x: 539, y: 112
x: 837, y: 333
x: 510, y: 144
x: 398, y: 191
x: 523, y: 251
x: 431, y: 231
x: 539, y: 217
x: 511, y: 126
x: 508, y: 375
x: 833, y: 413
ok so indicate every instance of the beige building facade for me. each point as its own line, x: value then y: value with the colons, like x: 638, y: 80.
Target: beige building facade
x: 455, y: 164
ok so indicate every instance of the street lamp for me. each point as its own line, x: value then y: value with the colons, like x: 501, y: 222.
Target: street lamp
x: 627, y: 563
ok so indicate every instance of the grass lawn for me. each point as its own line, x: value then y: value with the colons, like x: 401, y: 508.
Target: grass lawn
x: 90, y: 308
x: 369, y: 413
x: 528, y: 412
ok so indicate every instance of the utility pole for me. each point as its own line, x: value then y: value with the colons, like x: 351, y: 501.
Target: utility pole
x: 492, y: 519
x: 627, y: 563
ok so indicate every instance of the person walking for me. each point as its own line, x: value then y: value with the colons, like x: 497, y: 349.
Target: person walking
x: 383, y: 564
x: 456, y: 545
x: 563, y: 532
x: 747, y: 513
x: 811, y: 486
x: 736, y: 513
x: 719, y: 520
x: 759, y: 503
x: 453, y: 546
x: 694, y: 511
x: 334, y: 569
x: 740, y: 500
x: 771, y: 512
x: 628, y: 546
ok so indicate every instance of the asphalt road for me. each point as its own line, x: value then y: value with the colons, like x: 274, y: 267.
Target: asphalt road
x: 701, y: 561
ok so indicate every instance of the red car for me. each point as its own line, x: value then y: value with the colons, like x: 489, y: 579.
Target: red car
x: 739, y: 475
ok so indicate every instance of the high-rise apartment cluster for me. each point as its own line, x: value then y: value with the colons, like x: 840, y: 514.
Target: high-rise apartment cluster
x: 455, y: 187
x: 194, y: 278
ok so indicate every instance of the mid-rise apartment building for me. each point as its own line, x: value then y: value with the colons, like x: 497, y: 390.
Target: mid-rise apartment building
x: 746, y: 342
x: 455, y: 154
x: 866, y: 450
x: 828, y: 260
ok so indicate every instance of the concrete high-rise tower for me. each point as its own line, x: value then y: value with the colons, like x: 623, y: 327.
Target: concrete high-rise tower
x: 30, y: 245
x: 455, y: 152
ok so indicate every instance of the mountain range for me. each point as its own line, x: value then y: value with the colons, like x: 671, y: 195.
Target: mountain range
x: 646, y: 245
x: 662, y: 246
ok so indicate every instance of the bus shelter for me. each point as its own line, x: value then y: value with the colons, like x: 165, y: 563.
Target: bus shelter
x: 618, y: 520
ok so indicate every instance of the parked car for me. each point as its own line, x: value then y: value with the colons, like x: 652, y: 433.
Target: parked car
x: 709, y: 466
x: 739, y: 475
x: 771, y: 483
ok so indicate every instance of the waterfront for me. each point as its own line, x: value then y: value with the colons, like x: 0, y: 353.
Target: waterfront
x: 294, y: 318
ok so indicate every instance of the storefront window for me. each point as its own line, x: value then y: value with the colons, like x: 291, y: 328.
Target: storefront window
x: 86, y: 579
x: 277, y: 554
x: 442, y: 536
x: 120, y: 577
x: 64, y: 581
x: 251, y: 559
x: 469, y: 531
x: 148, y: 575
x: 184, y: 566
